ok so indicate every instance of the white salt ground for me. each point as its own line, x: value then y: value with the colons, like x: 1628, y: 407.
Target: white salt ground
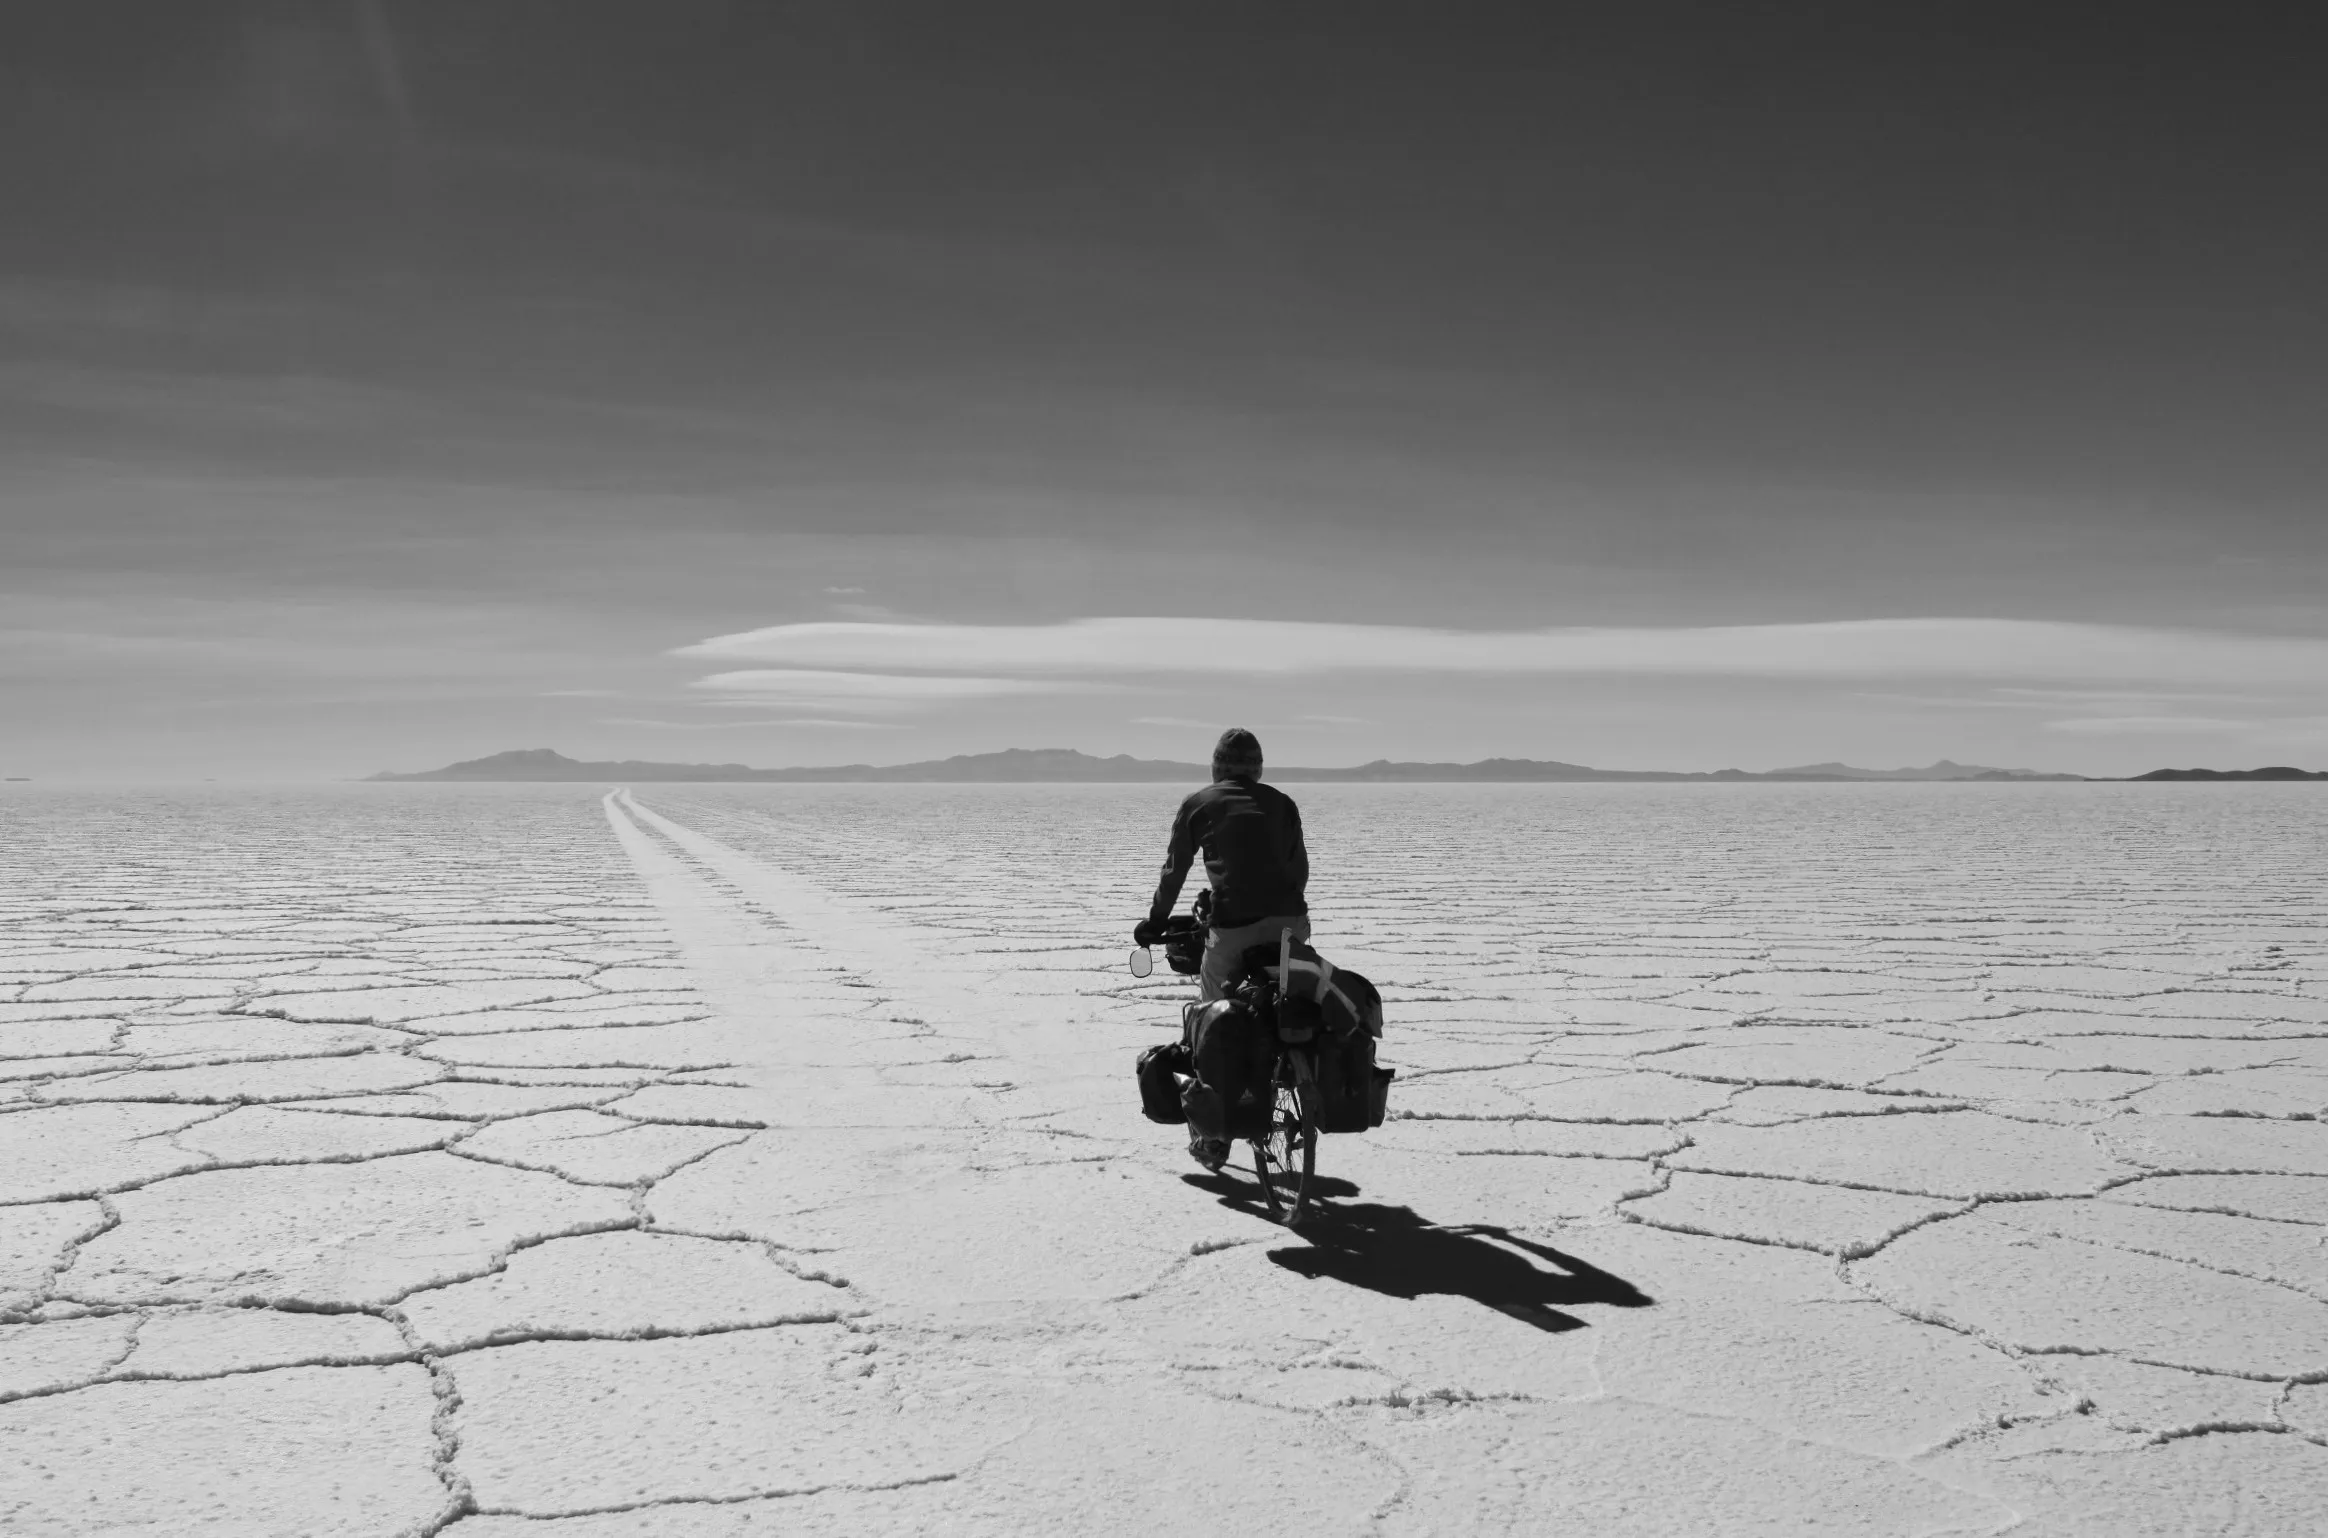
x: 721, y: 1160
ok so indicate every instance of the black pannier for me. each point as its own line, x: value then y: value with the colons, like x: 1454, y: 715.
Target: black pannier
x: 1339, y: 1013
x: 1229, y: 1054
x: 1335, y: 1012
x: 1161, y: 1068
x: 1352, y: 1092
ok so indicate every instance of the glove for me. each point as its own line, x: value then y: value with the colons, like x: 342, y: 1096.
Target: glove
x: 1147, y: 933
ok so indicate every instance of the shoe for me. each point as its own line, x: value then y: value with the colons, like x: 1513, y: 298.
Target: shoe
x: 1211, y: 1152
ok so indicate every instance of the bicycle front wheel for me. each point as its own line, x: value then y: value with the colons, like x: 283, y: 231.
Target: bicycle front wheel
x: 1286, y: 1156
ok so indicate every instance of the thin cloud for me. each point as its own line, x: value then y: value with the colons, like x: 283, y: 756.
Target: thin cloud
x: 2117, y: 701
x: 2032, y: 650
x: 2146, y: 726
x: 874, y: 694
x: 726, y: 726
x: 807, y: 683
x: 2131, y: 697
x: 1257, y: 723
x: 1957, y: 701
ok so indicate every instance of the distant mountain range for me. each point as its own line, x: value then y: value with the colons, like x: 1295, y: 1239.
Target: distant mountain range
x: 2275, y: 772
x: 1023, y: 765
x: 1945, y: 769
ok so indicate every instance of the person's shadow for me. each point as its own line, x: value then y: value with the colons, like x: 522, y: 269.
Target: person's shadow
x: 1395, y: 1251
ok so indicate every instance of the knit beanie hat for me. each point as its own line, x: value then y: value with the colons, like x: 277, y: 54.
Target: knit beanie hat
x: 1238, y: 752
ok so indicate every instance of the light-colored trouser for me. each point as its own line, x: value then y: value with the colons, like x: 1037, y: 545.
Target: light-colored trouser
x: 1223, y: 948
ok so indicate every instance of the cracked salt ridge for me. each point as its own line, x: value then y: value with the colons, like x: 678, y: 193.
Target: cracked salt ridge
x: 1449, y: 943
x: 385, y: 980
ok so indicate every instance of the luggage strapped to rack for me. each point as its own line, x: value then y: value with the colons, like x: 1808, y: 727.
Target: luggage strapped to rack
x: 1340, y: 1013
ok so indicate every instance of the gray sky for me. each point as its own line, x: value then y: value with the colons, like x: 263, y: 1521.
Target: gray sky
x: 385, y: 384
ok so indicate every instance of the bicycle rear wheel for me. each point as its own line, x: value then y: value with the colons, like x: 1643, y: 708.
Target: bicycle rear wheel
x: 1286, y: 1156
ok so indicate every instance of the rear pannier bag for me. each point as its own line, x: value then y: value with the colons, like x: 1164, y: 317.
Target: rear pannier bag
x: 1352, y: 1092
x: 1344, y: 1011
x: 1229, y: 1056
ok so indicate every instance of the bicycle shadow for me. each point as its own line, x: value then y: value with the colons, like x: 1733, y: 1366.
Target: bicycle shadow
x: 1239, y: 1193
x: 1397, y: 1252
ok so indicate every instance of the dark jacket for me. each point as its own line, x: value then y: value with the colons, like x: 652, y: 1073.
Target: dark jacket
x: 1253, y: 854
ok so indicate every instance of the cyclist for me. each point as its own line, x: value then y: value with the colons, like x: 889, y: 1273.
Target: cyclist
x: 1254, y: 857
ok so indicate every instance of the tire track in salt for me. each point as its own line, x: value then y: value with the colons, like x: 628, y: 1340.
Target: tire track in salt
x: 908, y: 1103
x: 1006, y: 1273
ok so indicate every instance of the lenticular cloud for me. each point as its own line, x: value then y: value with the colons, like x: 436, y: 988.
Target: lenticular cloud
x: 758, y: 685
x: 1886, y: 648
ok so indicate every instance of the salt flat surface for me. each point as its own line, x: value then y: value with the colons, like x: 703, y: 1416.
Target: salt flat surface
x: 718, y: 1160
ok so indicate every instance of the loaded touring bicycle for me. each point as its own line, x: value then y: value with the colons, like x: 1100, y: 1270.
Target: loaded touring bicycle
x: 1286, y: 1057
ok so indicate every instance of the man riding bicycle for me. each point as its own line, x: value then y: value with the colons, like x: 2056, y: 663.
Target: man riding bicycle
x: 1258, y: 867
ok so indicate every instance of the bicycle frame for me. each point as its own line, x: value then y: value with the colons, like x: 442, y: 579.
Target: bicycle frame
x: 1285, y: 1156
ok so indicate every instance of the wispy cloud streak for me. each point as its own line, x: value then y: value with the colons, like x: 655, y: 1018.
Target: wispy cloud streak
x: 2147, y: 726
x: 819, y: 722
x: 875, y: 694
x: 802, y: 683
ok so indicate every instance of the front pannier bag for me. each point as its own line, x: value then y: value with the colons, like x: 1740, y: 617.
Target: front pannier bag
x: 1161, y: 1068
